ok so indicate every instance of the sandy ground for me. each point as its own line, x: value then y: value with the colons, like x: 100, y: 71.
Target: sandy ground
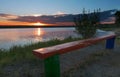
x: 106, y: 66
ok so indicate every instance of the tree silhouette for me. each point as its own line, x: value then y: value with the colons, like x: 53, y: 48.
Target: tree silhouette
x: 117, y: 16
x: 86, y: 24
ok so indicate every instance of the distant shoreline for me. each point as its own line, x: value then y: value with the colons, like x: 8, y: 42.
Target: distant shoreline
x: 31, y: 26
x: 51, y: 26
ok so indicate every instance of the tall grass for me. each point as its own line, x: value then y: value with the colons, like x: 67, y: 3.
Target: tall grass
x: 24, y: 53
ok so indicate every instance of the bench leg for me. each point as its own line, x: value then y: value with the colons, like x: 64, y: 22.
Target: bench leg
x: 110, y: 43
x: 52, y: 66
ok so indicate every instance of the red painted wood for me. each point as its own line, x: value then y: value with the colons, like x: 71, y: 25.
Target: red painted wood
x: 67, y: 47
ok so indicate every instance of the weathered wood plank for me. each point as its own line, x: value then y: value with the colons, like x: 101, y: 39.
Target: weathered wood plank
x: 67, y: 47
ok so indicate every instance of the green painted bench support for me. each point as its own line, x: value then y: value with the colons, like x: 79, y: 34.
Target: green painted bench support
x: 52, y: 66
x: 51, y: 54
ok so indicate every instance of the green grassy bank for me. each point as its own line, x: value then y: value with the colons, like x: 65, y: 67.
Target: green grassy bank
x: 24, y: 53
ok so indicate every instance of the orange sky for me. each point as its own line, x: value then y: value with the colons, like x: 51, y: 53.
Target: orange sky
x: 12, y: 20
x: 5, y: 22
x: 13, y: 23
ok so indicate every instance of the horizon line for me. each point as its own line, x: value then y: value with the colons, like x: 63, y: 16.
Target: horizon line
x: 31, y: 26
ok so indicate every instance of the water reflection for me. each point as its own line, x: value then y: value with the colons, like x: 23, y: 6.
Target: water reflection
x: 11, y: 37
x: 38, y: 32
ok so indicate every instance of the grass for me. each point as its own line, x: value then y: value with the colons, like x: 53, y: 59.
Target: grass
x: 24, y: 53
x: 117, y: 41
x: 18, y: 56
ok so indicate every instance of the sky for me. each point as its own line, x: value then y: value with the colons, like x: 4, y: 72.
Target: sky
x: 12, y: 9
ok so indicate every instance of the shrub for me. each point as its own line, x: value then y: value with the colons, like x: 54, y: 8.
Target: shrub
x: 86, y: 24
x: 117, y: 17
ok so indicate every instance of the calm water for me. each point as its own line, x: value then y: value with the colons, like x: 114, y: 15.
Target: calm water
x: 11, y: 37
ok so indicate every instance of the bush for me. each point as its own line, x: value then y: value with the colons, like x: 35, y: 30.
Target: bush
x: 86, y: 24
x: 117, y: 17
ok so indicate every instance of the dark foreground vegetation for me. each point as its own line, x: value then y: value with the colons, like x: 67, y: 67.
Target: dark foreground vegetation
x: 24, y: 53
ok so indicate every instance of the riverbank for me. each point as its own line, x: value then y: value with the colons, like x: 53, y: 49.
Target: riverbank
x: 73, y: 64
x: 21, y: 56
x: 20, y: 62
x: 17, y: 53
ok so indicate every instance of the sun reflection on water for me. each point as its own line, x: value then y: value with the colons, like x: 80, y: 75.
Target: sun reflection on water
x: 38, y: 34
x: 38, y: 31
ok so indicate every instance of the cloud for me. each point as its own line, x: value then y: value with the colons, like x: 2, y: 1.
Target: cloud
x: 49, y: 19
x: 8, y: 16
x: 109, y: 20
x: 60, y: 13
x: 59, y: 18
x: 42, y: 19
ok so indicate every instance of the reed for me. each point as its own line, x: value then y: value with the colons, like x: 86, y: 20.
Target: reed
x: 24, y: 53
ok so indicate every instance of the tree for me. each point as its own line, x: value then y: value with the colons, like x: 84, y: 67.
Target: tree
x: 117, y: 16
x: 86, y: 24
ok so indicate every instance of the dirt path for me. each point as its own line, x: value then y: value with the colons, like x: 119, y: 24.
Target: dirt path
x: 107, y: 65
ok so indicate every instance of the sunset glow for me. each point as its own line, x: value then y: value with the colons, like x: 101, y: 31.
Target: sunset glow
x: 38, y: 24
x: 50, y: 13
x: 13, y: 23
x: 36, y: 15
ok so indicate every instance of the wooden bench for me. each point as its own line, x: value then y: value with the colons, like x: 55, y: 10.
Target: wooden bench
x: 51, y: 54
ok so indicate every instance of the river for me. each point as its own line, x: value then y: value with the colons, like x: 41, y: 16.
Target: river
x: 23, y: 36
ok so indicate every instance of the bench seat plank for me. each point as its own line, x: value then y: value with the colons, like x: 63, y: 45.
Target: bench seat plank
x: 67, y: 47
